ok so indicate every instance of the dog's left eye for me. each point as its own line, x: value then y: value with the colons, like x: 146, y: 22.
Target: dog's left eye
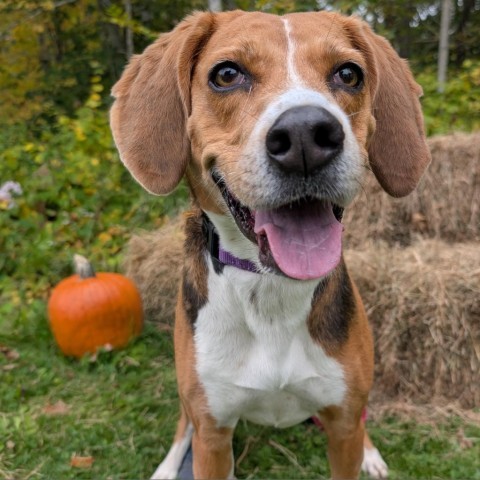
x: 348, y: 75
x: 227, y: 76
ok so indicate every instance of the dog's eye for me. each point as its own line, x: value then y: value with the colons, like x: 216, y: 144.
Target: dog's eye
x: 348, y: 75
x: 227, y: 76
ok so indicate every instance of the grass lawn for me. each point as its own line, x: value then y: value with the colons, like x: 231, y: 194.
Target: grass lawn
x: 121, y: 410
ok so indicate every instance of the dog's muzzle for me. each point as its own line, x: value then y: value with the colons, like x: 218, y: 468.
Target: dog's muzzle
x: 301, y: 236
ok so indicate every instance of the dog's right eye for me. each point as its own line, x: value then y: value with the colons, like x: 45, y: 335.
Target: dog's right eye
x: 227, y: 76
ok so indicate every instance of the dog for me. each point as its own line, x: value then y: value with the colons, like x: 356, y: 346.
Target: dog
x: 273, y: 120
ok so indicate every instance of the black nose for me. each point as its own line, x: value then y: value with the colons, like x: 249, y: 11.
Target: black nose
x: 304, y: 139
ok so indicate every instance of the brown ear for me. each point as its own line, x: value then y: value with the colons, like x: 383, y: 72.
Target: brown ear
x: 398, y: 152
x: 152, y: 103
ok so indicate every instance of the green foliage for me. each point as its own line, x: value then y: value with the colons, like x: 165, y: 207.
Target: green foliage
x: 45, y: 54
x: 47, y: 49
x: 77, y: 197
x: 458, y: 108
x: 114, y: 406
x: 281, y: 7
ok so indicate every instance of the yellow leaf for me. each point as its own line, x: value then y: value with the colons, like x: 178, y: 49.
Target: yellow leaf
x: 48, y: 5
x: 104, y: 237
x: 95, y: 97
x: 79, y: 133
x: 16, y: 300
x: 69, y: 82
x: 38, y: 28
x: 28, y: 147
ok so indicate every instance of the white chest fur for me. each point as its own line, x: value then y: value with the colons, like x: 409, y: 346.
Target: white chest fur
x: 255, y: 357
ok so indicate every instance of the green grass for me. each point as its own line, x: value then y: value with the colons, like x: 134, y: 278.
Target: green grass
x: 122, y: 410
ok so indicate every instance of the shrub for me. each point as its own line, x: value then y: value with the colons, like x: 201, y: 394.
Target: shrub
x: 77, y: 197
x: 458, y: 108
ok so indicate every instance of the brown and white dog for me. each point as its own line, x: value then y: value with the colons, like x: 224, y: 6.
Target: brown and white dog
x: 273, y: 121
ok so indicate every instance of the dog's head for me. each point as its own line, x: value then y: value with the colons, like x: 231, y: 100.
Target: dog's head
x: 273, y: 120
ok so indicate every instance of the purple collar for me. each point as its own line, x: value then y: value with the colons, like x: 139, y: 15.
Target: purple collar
x: 219, y: 255
x: 228, y: 259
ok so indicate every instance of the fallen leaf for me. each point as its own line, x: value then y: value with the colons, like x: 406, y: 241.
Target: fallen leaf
x: 10, y: 445
x: 81, y: 462
x: 10, y: 353
x: 9, y: 366
x: 57, y: 408
x: 131, y: 362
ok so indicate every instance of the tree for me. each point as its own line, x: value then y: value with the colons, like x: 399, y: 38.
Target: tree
x: 215, y: 5
x: 443, y: 44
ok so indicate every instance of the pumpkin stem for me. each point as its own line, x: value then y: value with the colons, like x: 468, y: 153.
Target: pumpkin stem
x: 83, y: 268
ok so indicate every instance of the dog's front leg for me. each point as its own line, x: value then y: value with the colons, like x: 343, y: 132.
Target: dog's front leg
x: 345, y: 434
x: 211, y: 444
x: 212, y: 452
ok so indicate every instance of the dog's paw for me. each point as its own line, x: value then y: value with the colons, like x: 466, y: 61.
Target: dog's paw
x: 373, y: 464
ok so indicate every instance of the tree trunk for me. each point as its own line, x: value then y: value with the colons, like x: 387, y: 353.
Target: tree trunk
x: 215, y: 5
x: 128, y: 30
x: 461, y: 46
x: 443, y: 45
x: 112, y: 43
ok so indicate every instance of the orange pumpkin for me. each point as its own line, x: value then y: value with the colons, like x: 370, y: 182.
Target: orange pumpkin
x: 88, y: 311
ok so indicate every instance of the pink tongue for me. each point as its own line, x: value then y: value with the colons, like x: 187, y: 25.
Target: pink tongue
x: 305, y: 240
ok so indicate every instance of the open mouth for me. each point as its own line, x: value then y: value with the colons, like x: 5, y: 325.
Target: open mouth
x: 302, y: 239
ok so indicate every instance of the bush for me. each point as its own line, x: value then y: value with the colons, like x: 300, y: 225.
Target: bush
x: 77, y: 197
x: 458, y: 108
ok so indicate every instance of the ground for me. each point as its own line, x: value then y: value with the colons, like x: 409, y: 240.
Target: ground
x: 114, y: 417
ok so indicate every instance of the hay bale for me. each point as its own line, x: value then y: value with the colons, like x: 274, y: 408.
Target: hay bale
x: 424, y: 305
x: 153, y: 260
x: 445, y: 205
x: 423, y: 302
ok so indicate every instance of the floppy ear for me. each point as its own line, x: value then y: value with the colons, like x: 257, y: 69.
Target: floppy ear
x: 152, y: 104
x: 398, y: 152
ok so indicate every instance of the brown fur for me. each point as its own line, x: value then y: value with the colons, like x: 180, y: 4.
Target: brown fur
x: 346, y: 438
x: 148, y: 126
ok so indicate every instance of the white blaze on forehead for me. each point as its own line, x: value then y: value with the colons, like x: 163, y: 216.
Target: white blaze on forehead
x: 293, y: 77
